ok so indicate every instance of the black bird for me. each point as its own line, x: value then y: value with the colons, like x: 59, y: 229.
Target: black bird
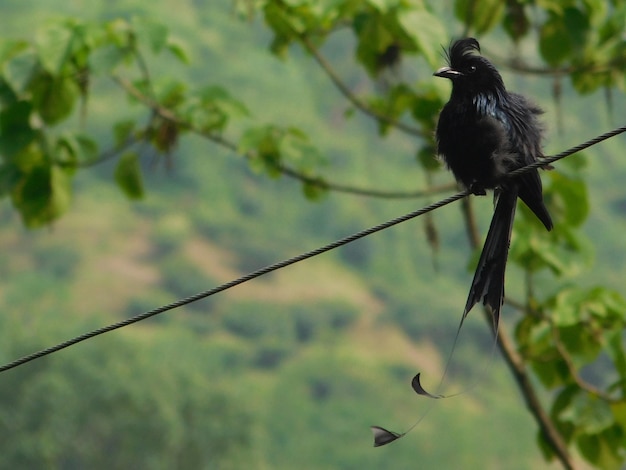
x: 483, y: 133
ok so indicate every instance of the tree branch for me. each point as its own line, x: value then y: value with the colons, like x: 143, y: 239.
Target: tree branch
x: 520, y: 374
x: 520, y: 66
x: 351, y: 97
x: 169, y: 115
x: 517, y: 366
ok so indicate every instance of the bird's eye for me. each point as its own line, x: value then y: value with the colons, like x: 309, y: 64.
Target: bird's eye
x: 472, y: 69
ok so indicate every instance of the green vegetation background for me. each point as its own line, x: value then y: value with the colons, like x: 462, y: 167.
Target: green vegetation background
x: 290, y: 370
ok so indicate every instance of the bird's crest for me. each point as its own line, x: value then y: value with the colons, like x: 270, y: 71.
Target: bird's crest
x: 460, y: 49
x: 471, y: 73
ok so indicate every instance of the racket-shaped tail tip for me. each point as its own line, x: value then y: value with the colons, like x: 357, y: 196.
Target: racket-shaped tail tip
x: 383, y: 436
x: 417, y: 386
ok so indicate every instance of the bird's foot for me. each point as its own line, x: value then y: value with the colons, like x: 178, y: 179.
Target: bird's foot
x: 477, y: 189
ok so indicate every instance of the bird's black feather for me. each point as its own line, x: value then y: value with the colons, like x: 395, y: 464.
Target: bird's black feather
x: 484, y: 132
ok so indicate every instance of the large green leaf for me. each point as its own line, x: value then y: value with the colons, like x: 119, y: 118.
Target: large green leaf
x: 481, y: 16
x: 428, y: 33
x: 54, y: 97
x: 20, y: 70
x: 15, y: 128
x: 373, y: 39
x: 605, y: 449
x: 42, y: 195
x: 590, y: 413
x: 53, y: 47
x: 563, y: 35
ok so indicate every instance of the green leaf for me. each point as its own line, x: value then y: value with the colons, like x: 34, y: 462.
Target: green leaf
x: 20, y: 70
x: 400, y: 99
x: 428, y: 33
x: 74, y: 148
x: 150, y: 32
x: 16, y: 132
x: 553, y: 41
x: 516, y: 22
x: 314, y: 192
x: 562, y: 35
x: 252, y: 138
x: 619, y: 412
x: 42, y: 195
x: 9, y: 177
x: 61, y: 185
x: 566, y: 310
x: 373, y: 39
x: 426, y: 155
x: 602, y: 449
x: 128, y: 175
x: 615, y: 349
x: 10, y: 48
x: 170, y: 92
x: 482, y: 15
x: 284, y: 28
x: 296, y: 148
x: 54, y: 97
x: 262, y: 144
x: 211, y: 108
x: 383, y: 5
x: 597, y: 309
x: 552, y: 373
x: 581, y: 344
x: 427, y: 103
x: 123, y: 131
x: 585, y: 82
x: 570, y: 196
x: 53, y: 47
x: 105, y: 59
x: 588, y: 413
x: 178, y: 50
x: 220, y: 97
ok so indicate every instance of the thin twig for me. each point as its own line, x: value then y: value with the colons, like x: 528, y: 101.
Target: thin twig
x: 351, y: 97
x: 571, y: 367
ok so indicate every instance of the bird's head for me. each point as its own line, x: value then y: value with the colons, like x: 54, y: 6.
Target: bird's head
x: 470, y: 73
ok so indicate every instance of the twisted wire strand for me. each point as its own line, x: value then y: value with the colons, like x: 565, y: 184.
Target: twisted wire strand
x: 233, y: 283
x: 566, y: 153
x: 296, y: 259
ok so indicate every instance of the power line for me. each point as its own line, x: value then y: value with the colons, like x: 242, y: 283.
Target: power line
x: 233, y: 283
x: 298, y: 258
x: 578, y: 148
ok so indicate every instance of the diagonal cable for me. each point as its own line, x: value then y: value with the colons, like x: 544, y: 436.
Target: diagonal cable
x: 235, y: 282
x: 296, y: 259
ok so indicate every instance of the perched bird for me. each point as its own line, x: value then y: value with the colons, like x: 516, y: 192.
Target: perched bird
x: 483, y: 133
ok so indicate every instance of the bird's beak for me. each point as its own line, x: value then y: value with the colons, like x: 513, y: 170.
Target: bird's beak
x: 447, y: 72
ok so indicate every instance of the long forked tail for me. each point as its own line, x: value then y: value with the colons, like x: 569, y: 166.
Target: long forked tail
x: 488, y: 282
x: 487, y: 285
